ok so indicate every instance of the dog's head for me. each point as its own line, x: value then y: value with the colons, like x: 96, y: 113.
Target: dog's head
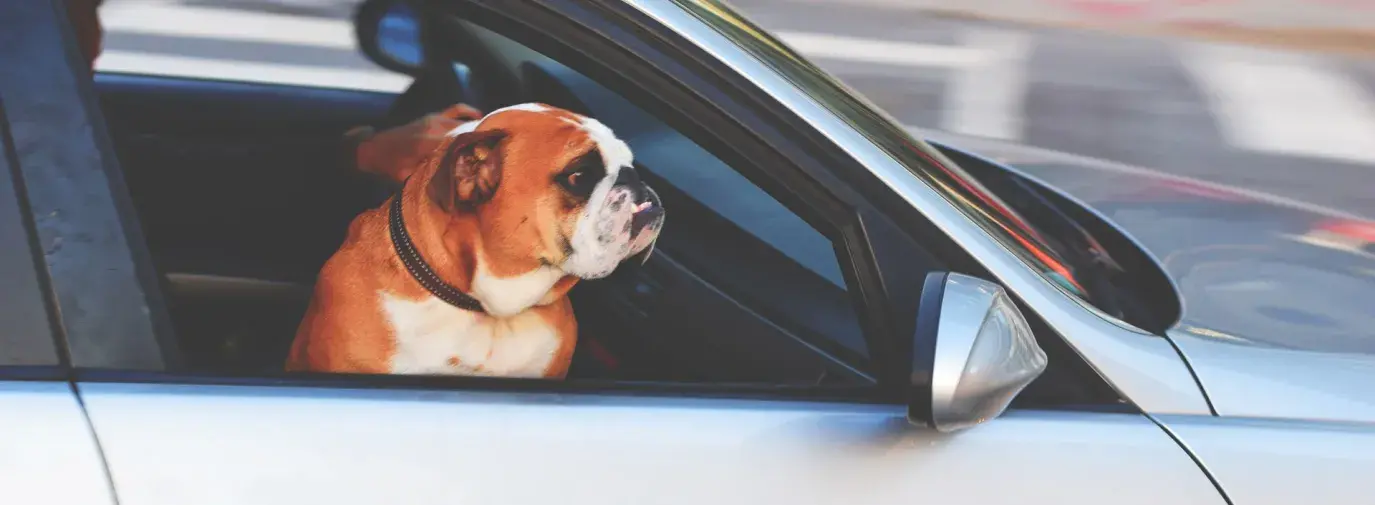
x: 547, y: 187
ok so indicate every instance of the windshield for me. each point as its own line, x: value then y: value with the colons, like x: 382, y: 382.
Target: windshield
x: 924, y: 161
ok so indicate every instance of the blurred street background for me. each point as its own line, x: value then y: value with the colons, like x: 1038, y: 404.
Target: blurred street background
x: 1206, y: 89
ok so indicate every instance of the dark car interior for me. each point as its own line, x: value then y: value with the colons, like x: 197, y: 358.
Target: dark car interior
x: 243, y: 194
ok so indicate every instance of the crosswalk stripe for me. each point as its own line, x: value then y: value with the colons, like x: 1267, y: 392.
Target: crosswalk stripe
x: 1284, y: 104
x: 986, y: 99
x: 885, y: 52
x: 230, y: 25
x: 246, y: 71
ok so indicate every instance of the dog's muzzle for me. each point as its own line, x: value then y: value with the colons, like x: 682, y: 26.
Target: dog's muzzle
x: 621, y: 224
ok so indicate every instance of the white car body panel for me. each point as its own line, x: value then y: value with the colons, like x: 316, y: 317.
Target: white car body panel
x: 47, y: 453
x: 1283, y: 462
x: 209, y: 445
x: 1255, y: 381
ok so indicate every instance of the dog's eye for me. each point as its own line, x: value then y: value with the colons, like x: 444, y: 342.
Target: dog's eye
x: 578, y: 182
x: 582, y: 175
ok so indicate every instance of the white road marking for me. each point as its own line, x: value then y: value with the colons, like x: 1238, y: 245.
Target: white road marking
x: 886, y: 52
x: 247, y: 71
x: 229, y: 25
x: 986, y: 99
x: 1284, y: 103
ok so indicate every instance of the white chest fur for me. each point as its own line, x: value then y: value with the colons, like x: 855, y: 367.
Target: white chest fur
x: 433, y: 337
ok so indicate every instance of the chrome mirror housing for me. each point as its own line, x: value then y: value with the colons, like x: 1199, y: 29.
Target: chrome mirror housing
x: 973, y: 352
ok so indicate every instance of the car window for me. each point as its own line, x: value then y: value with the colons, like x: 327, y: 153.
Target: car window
x: 302, y: 44
x: 243, y: 200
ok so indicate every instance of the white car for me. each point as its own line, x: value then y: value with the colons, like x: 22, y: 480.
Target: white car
x: 837, y: 312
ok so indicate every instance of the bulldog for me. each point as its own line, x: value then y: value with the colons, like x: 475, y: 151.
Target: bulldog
x: 466, y: 270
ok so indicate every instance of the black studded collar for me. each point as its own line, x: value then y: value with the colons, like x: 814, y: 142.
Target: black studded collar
x: 421, y: 271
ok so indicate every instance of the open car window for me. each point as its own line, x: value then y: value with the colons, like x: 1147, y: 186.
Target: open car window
x: 242, y: 193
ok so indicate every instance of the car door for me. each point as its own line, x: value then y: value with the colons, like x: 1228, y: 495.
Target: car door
x: 176, y: 435
x: 217, y: 444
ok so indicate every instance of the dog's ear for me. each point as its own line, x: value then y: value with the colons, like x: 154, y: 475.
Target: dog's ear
x: 469, y: 172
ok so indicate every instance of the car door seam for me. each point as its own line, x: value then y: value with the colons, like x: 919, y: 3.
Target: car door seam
x: 1193, y: 456
x: 1188, y: 365
x: 95, y: 437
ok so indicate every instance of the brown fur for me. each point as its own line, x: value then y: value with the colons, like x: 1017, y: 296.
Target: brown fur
x: 515, y: 224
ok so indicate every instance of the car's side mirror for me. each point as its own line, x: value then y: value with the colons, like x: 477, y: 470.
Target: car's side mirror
x: 388, y: 32
x: 972, y: 353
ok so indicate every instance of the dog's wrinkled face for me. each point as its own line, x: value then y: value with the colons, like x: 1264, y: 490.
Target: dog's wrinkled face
x: 548, y: 187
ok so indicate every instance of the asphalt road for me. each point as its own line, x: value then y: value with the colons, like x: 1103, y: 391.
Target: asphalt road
x: 1297, y: 125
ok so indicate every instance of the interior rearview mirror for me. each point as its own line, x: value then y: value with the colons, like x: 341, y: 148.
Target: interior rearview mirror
x: 388, y: 32
x: 973, y: 352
